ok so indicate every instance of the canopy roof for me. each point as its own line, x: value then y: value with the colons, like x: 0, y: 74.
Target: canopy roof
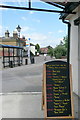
x: 10, y: 46
x: 64, y: 6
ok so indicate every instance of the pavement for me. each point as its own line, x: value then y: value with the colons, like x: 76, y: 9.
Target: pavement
x: 28, y: 105
x: 22, y: 105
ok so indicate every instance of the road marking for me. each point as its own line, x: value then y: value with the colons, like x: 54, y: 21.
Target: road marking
x: 21, y: 93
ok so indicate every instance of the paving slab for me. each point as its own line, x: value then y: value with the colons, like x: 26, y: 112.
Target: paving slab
x: 22, y: 105
x: 28, y: 105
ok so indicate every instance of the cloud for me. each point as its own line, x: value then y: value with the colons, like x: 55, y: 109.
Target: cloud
x: 25, y: 29
x: 43, y: 39
x: 60, y: 31
x: 50, y: 32
x: 13, y: 1
x: 31, y: 12
x: 36, y: 20
x: 36, y: 37
x: 24, y: 18
x: 0, y: 30
x: 3, y: 8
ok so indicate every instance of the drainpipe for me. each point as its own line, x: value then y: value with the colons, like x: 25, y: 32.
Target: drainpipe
x: 68, y: 49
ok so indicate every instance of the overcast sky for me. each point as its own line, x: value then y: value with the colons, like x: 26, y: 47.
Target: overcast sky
x: 41, y: 27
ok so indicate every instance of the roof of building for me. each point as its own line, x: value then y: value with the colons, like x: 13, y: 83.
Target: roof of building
x: 69, y: 8
x: 10, y: 46
x: 44, y: 50
x: 64, y: 5
x: 11, y: 39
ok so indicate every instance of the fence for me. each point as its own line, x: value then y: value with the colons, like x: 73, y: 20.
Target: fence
x: 12, y: 55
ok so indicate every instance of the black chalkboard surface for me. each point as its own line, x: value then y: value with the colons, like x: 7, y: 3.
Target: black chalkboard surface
x: 58, y: 92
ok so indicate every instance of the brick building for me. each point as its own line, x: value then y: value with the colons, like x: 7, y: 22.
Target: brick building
x: 14, y: 40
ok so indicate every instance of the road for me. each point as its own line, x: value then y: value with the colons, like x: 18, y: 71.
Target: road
x: 26, y: 78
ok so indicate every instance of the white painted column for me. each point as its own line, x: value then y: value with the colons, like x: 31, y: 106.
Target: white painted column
x: 79, y: 60
x: 74, y: 54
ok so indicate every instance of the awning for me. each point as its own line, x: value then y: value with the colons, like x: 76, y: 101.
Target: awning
x: 10, y: 46
x: 64, y: 6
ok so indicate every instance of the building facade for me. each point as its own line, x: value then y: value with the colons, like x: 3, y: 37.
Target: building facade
x: 74, y: 20
x: 14, y: 40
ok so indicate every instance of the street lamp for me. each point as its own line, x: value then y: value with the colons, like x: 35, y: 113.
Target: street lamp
x: 18, y: 29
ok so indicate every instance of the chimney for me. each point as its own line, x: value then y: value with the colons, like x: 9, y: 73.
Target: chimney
x: 7, y: 34
x: 15, y: 35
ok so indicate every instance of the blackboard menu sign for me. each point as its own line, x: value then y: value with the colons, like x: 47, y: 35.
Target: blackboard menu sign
x: 57, y: 85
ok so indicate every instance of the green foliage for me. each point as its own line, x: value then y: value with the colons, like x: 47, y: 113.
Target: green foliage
x: 58, y: 55
x: 50, y: 52
x: 65, y: 40
x: 37, y: 47
x: 59, y: 51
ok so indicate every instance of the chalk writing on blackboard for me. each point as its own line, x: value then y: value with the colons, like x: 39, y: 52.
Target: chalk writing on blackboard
x: 58, y: 95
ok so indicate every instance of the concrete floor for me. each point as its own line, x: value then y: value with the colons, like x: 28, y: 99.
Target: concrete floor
x: 27, y: 105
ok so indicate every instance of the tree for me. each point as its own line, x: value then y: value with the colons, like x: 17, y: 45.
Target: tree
x: 65, y: 40
x: 51, y: 52
x: 37, y: 46
x: 59, y: 51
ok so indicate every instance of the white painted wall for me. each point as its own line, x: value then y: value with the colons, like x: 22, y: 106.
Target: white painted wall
x: 79, y: 61
x: 32, y: 48
x: 74, y: 51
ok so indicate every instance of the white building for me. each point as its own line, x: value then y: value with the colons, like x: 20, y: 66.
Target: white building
x: 32, y: 48
x: 74, y: 20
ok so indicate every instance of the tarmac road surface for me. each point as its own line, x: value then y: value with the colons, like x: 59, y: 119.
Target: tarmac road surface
x: 27, y: 78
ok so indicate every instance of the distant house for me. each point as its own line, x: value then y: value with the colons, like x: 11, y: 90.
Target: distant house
x: 45, y: 50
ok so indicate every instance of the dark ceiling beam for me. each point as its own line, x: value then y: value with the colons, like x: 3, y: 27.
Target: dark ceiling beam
x: 77, y: 21
x: 35, y: 9
x: 54, y: 4
x: 29, y: 3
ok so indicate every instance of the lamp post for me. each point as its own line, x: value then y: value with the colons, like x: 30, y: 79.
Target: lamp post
x: 19, y: 30
x: 29, y: 52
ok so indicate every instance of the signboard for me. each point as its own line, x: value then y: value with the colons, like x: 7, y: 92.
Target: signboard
x: 27, y: 43
x: 57, y: 97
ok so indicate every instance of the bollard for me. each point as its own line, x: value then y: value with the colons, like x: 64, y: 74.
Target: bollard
x: 11, y: 64
x: 26, y: 61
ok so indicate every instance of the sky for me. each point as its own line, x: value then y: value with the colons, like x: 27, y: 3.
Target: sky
x: 43, y: 28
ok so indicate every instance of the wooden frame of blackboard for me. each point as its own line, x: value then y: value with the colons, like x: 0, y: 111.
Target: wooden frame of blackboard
x: 44, y: 102
x: 43, y: 88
